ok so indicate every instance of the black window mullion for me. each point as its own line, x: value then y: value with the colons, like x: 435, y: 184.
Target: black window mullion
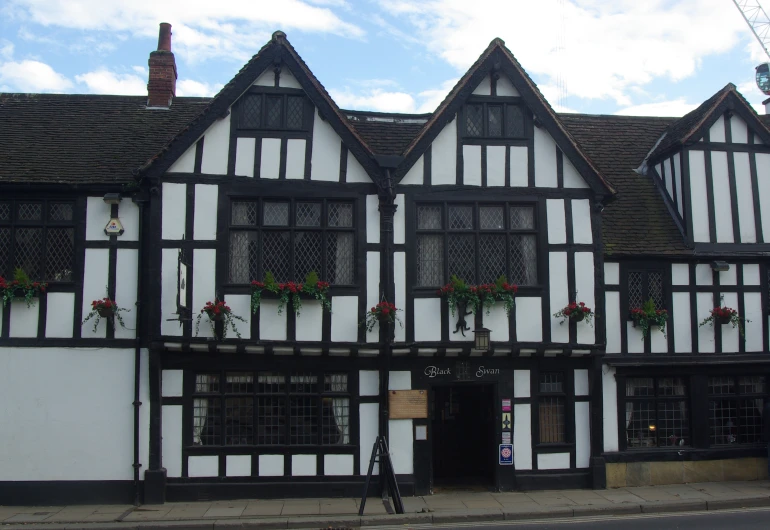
x: 324, y: 272
x: 292, y: 238
x: 445, y: 243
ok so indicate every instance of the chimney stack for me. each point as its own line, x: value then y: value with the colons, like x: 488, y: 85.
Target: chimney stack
x: 161, y: 87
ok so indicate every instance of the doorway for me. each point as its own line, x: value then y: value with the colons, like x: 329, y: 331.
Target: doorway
x: 463, y: 425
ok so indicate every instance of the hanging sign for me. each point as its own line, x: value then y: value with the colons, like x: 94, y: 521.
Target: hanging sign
x: 114, y: 227
x: 506, y: 405
x: 506, y: 421
x: 181, y: 282
x: 506, y: 454
x: 408, y: 404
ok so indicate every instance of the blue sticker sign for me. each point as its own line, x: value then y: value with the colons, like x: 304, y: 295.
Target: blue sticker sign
x: 506, y: 454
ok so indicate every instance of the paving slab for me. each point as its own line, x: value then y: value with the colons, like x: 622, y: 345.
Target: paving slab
x: 263, y: 508
x: 218, y: 512
x: 325, y: 522
x: 248, y: 524
x: 680, y: 506
x: 300, y: 508
x: 467, y: 516
x: 551, y: 500
x: 182, y: 525
x: 746, y: 502
x: 396, y: 519
x: 610, y: 509
x: 28, y: 517
x: 538, y: 512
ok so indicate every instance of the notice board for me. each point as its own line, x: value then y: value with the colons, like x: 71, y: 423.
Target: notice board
x: 407, y: 404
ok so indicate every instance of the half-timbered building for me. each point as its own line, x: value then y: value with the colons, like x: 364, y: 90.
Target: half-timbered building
x: 163, y: 204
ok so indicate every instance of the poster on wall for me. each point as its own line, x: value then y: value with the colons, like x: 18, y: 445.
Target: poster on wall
x: 506, y: 455
x: 506, y: 437
x: 506, y: 405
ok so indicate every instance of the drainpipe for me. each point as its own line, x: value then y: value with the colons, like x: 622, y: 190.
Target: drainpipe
x: 140, y: 202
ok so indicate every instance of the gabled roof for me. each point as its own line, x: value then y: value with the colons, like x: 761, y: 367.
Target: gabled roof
x: 84, y: 139
x: 498, y: 58
x: 277, y: 52
x: 386, y: 133
x: 693, y: 126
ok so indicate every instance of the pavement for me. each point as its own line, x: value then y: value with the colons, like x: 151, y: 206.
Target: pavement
x: 342, y: 513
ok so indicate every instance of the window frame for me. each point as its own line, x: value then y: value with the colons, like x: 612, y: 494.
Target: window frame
x: 324, y: 229
x: 495, y: 101
x: 736, y: 397
x: 645, y: 270
x: 567, y: 407
x: 272, y: 92
x: 656, y: 398
x: 45, y: 223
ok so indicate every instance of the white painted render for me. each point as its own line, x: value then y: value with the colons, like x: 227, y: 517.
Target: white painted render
x: 399, y: 220
x: 669, y: 178
x: 505, y: 87
x: 97, y: 216
x: 238, y: 465
x: 522, y: 436
x: 266, y: 78
x: 96, y: 269
x: 581, y: 222
x: 611, y: 273
x: 185, y: 163
x: 416, y: 174
x: 60, y: 315
x: 174, y: 208
x: 472, y: 165
x: 451, y: 322
x: 168, y: 289
x: 681, y: 321
x: 24, y: 320
x: 572, y: 178
x: 680, y: 274
x: 245, y: 151
x: 581, y: 382
x: 529, y: 319
x: 373, y: 290
x: 270, y: 160
x: 612, y: 315
x: 203, y: 284
x: 722, y: 205
x: 355, y: 171
x: 751, y: 274
x: 763, y: 185
x: 295, y: 158
x: 126, y: 291
x: 272, y: 326
x: 399, y: 272
x: 557, y: 229
x: 752, y: 304
x: 287, y: 80
x: 495, y: 165
x: 325, y: 160
x: 634, y: 337
x: 545, y: 159
x: 730, y: 276
x: 271, y: 465
x: 704, y: 304
x: 205, y: 219
x: 553, y: 461
x: 368, y: 416
x: 203, y: 466
x: 241, y: 306
x: 610, y: 409
x: 738, y: 130
x: 558, y: 294
x: 338, y: 465
x: 659, y: 342
x: 745, y: 196
x: 216, y: 146
x: 402, y: 446
x: 427, y: 319
x: 400, y: 380
x: 730, y: 334
x: 344, y: 318
x: 582, y: 434
x: 172, y: 383
x: 484, y: 88
x: 304, y: 465
x: 497, y: 321
x: 444, y: 155
x: 368, y: 383
x: 698, y: 197
x: 310, y: 321
x: 521, y: 384
x: 171, y: 445
x: 519, y: 166
x: 678, y: 180
x: 717, y: 131
x: 372, y: 219
x: 584, y: 285
x: 703, y: 274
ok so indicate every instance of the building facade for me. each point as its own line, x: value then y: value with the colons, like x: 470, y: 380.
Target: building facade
x: 164, y: 204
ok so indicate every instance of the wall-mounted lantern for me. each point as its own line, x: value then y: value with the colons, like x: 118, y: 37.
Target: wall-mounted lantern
x: 720, y: 266
x: 482, y: 339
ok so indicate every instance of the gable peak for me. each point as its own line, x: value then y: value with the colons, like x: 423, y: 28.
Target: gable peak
x: 279, y: 37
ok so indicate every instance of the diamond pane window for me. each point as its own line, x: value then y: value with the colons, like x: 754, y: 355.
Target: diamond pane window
x: 5, y: 250
x: 461, y: 217
x: 60, y: 247
x: 340, y: 258
x: 655, y: 282
x: 495, y: 120
x: 308, y: 247
x: 29, y: 211
x: 735, y: 409
x: 294, y: 112
x: 60, y: 212
x: 29, y: 251
x: 273, y: 108
x: 491, y: 257
x: 491, y: 218
x: 244, y: 256
x: 462, y: 257
x: 522, y: 218
x: 523, y: 263
x: 429, y: 218
x: 514, y: 121
x: 643, y: 285
x: 276, y: 254
x: 276, y: 214
x: 244, y: 213
x: 430, y: 260
x: 308, y: 214
x: 656, y: 412
x: 341, y: 215
x: 5, y: 211
x: 474, y: 120
x: 251, y: 111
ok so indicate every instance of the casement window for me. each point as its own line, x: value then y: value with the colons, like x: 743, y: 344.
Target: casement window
x: 271, y: 408
x: 37, y: 236
x: 643, y: 285
x: 551, y: 407
x: 290, y: 238
x: 735, y: 409
x: 656, y: 412
x: 275, y: 111
x: 493, y: 120
x: 476, y: 242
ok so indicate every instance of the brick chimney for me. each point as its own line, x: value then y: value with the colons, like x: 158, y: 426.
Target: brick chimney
x: 162, y: 85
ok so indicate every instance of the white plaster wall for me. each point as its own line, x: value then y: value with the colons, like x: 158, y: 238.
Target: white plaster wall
x: 287, y: 80
x: 368, y: 414
x: 310, y: 321
x: 519, y: 166
x: 730, y: 276
x: 522, y: 437
x: 368, y: 383
x: 295, y: 158
x: 205, y: 219
x: 451, y: 322
x: 752, y: 304
x: 402, y: 446
x: 572, y: 178
x: 416, y: 173
x: 678, y: 180
x: 521, y: 383
x: 529, y: 319
x: 96, y: 269
x: 584, y: 284
x: 751, y: 274
x: 557, y: 229
x: 238, y: 465
x: 373, y: 291
x: 399, y: 272
x: 581, y: 383
x: 304, y: 465
x: 185, y: 163
x: 558, y: 294
x: 738, y: 130
x: 272, y: 326
x: 266, y: 78
x: 72, y: 414
x: 497, y: 321
x: 171, y: 445
x: 97, y: 216
x: 444, y: 155
x: 399, y: 221
x: 705, y: 303
x: 680, y: 274
x: 172, y: 383
x: 203, y: 466
x: 204, y: 284
x: 581, y: 222
x: 681, y: 322
x: 610, y: 408
x: 582, y: 434
x: 745, y: 196
x: 427, y: 319
x: 496, y: 165
x: 659, y: 341
x: 553, y: 461
x: 634, y: 337
x: 505, y: 87
x: 700, y: 218
x: 169, y: 258
x: 400, y: 380
x: 241, y: 306
x: 717, y: 131
x: 24, y: 320
x: 355, y: 171
x: 271, y: 465
x: 245, y: 151
x: 484, y: 88
x: 472, y: 165
x: 344, y: 318
x: 763, y: 183
x: 126, y: 290
x: 704, y: 274
x: 545, y: 159
x: 325, y: 159
x: 174, y: 209
x: 614, y: 321
x: 216, y: 145
x: 270, y: 161
x: 338, y: 465
x: 730, y: 335
x: 611, y: 273
x: 372, y: 219
x: 669, y: 178
x: 722, y: 203
x: 59, y: 315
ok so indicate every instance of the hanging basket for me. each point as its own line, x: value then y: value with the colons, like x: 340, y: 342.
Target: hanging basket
x: 106, y: 312
x: 216, y: 317
x: 577, y: 316
x: 19, y: 293
x: 723, y: 319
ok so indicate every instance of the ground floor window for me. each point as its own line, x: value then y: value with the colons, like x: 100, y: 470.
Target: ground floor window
x: 551, y: 407
x: 735, y: 409
x: 656, y: 412
x: 271, y: 408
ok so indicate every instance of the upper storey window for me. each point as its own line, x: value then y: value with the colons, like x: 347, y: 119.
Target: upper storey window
x: 275, y: 111
x: 493, y: 120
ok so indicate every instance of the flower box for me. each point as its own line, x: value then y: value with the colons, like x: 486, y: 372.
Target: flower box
x: 723, y: 319
x: 106, y: 312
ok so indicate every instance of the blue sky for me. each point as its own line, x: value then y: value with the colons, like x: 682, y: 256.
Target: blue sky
x: 593, y: 56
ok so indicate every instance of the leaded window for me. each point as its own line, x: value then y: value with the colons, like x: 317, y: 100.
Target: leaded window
x: 656, y: 412
x: 291, y: 238
x: 644, y: 285
x: 493, y: 120
x: 271, y: 408
x: 274, y: 111
x: 551, y: 407
x: 476, y: 242
x: 735, y: 409
x: 37, y: 236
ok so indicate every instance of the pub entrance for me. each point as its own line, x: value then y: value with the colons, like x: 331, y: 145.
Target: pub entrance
x: 463, y: 428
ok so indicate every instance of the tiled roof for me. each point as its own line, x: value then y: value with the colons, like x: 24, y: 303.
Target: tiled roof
x: 82, y: 139
x: 386, y: 134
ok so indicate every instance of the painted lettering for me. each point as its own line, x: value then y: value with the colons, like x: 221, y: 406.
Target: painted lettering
x: 481, y: 372
x: 433, y: 371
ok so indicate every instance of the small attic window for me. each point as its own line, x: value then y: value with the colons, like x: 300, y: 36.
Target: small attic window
x: 493, y: 120
x: 274, y: 111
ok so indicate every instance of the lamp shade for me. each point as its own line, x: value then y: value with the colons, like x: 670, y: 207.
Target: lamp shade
x: 482, y: 339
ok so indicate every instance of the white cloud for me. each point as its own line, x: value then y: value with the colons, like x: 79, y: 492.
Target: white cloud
x: 106, y: 82
x: 31, y: 76
x: 751, y: 92
x: 676, y: 107
x: 189, y: 87
x: 369, y: 96
x: 6, y: 50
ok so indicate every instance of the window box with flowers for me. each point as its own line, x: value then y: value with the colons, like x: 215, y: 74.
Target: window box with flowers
x: 21, y: 288
x: 466, y: 299
x: 382, y: 313
x: 219, y: 311
x: 107, y: 309
x: 647, y: 316
x: 723, y: 316
x: 575, y: 311
x: 291, y: 293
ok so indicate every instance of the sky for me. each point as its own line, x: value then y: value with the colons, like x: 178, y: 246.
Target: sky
x: 640, y: 57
